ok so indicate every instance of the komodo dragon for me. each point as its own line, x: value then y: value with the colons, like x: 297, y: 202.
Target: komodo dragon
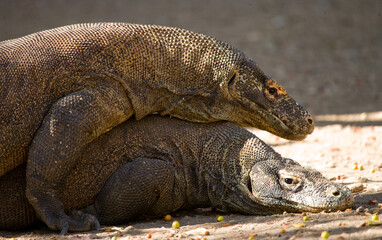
x: 158, y: 165
x: 62, y: 88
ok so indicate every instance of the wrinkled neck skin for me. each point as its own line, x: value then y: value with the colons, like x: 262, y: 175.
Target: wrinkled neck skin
x: 227, y: 160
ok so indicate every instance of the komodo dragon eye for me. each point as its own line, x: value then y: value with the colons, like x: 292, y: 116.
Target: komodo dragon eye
x: 289, y: 181
x: 272, y: 91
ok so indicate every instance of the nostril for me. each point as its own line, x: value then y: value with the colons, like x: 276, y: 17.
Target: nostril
x: 336, y: 193
x: 310, y: 120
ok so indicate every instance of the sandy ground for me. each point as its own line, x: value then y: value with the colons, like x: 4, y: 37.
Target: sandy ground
x: 326, y: 53
x: 331, y: 149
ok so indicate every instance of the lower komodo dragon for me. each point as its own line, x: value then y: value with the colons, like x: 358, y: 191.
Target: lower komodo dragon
x: 158, y: 165
x: 62, y: 88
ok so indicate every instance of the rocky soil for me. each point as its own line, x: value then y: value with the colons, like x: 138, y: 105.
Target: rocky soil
x: 327, y: 54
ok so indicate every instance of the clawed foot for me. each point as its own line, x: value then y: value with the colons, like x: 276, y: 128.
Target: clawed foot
x: 78, y: 222
x: 51, y: 211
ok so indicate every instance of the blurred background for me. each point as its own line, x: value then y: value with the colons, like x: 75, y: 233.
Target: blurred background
x: 327, y: 54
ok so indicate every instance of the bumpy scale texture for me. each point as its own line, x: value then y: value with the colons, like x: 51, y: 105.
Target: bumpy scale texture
x: 62, y: 88
x: 158, y: 165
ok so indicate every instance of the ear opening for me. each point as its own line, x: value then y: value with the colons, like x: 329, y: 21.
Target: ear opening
x: 249, y: 185
x: 232, y: 79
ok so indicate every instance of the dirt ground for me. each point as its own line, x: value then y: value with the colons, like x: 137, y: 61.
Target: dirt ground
x: 327, y: 54
x: 332, y: 149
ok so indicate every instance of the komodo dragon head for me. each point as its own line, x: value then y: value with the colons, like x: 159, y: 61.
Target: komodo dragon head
x: 275, y: 186
x: 249, y: 98
x: 265, y: 104
x: 288, y: 186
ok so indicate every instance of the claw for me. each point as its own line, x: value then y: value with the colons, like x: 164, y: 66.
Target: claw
x: 65, y: 228
x: 91, y: 219
x: 97, y: 225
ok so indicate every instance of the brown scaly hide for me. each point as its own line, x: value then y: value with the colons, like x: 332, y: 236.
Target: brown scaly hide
x: 159, y: 69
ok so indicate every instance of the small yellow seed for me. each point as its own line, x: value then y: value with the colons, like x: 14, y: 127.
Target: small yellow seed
x: 282, y: 230
x: 252, y: 237
x: 167, y: 217
x: 220, y: 218
x: 325, y: 234
x: 306, y: 218
x: 372, y: 170
x: 360, y: 167
x: 175, y: 224
x: 355, y: 167
x: 375, y: 217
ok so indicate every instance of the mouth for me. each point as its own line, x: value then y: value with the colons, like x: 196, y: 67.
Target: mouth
x: 346, y: 202
x: 273, y: 124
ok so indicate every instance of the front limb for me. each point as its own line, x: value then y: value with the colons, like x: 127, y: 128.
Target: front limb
x: 143, y: 186
x: 72, y: 122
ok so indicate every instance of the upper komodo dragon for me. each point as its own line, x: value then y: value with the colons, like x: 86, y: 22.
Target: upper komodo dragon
x: 158, y: 165
x: 62, y: 88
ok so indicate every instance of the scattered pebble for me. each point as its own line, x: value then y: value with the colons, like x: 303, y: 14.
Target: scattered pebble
x: 167, y: 217
x: 175, y: 224
x: 325, y: 235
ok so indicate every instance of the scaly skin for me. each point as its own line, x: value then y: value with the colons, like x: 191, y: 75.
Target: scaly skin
x: 62, y: 88
x: 158, y: 165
